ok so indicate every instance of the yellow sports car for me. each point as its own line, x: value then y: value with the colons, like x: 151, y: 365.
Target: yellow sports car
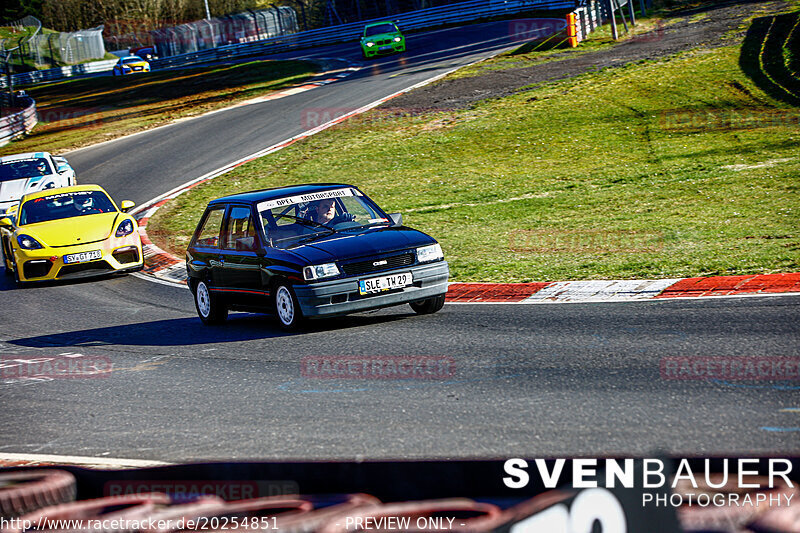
x: 69, y: 232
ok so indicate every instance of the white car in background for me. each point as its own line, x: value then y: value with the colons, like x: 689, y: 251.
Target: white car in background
x: 25, y: 173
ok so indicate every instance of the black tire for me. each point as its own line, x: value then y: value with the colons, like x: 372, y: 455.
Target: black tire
x: 429, y: 306
x: 6, y: 259
x: 20, y: 284
x: 287, y: 309
x: 209, y: 307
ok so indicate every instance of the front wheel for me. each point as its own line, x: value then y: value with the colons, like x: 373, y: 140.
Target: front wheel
x: 286, y: 308
x: 426, y: 307
x: 209, y: 308
x: 6, y: 258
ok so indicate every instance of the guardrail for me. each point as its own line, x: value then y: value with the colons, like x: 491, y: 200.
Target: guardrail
x: 18, y: 123
x: 413, y: 20
x: 39, y: 76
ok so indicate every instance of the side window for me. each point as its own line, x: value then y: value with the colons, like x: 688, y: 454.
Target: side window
x: 208, y: 236
x: 240, y: 234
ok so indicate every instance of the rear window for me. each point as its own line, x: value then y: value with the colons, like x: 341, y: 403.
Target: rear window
x: 208, y: 235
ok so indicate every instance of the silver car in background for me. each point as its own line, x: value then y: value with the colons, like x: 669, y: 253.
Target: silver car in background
x: 35, y: 171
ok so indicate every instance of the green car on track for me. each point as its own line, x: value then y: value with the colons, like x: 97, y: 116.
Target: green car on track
x: 381, y: 38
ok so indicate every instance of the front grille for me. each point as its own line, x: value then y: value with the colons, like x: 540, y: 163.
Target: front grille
x: 363, y: 267
x: 37, y: 268
x: 126, y: 255
x: 92, y: 267
x: 383, y: 42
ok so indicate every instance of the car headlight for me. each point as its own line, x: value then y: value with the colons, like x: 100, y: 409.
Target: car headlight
x: 397, y: 39
x: 370, y: 44
x: 320, y: 271
x: 125, y: 228
x: 429, y: 253
x: 26, y: 242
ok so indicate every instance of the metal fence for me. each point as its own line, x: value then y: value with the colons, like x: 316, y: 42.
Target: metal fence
x: 53, y: 49
x: 25, y: 27
x: 246, y: 27
x: 67, y: 48
x: 414, y: 20
x: 19, y: 122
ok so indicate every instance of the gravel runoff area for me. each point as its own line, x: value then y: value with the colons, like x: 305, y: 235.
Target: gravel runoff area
x: 708, y: 26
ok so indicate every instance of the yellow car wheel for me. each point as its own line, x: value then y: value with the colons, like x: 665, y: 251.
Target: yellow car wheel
x: 6, y: 258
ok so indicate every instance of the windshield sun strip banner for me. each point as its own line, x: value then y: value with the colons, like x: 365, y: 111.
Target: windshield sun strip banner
x: 63, y: 195
x: 303, y: 198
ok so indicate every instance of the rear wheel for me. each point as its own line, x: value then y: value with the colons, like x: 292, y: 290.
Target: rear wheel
x: 209, y: 308
x: 286, y: 307
x: 426, y: 307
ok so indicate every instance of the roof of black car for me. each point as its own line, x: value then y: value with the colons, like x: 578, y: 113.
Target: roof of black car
x: 253, y: 197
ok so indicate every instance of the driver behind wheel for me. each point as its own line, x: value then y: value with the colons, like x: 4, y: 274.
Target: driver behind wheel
x: 84, y: 203
x: 326, y: 213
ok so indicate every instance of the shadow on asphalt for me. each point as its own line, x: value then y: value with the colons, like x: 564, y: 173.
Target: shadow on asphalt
x: 191, y: 332
x: 7, y: 281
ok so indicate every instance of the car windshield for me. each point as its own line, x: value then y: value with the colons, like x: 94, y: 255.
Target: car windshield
x: 65, y: 205
x: 293, y: 220
x: 381, y: 28
x: 24, y: 168
x: 132, y: 60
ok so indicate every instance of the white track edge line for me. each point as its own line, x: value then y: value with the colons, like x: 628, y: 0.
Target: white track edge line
x: 192, y: 117
x: 632, y: 300
x: 80, y: 460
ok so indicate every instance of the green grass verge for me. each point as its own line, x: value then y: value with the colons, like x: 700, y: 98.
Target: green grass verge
x: 675, y: 168
x: 80, y: 112
x: 556, y: 48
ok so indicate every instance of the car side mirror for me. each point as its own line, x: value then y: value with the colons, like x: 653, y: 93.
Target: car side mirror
x: 126, y: 205
x: 397, y: 218
x: 6, y: 222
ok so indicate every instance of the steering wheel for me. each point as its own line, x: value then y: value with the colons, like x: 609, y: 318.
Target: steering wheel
x: 344, y: 217
x: 90, y: 209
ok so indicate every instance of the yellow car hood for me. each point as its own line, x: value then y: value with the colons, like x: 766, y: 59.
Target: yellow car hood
x: 75, y: 230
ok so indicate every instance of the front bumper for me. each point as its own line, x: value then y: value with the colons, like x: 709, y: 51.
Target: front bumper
x: 341, y: 296
x: 118, y: 255
x: 393, y: 48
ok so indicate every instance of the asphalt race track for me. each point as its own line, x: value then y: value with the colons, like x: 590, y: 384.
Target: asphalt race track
x: 530, y: 380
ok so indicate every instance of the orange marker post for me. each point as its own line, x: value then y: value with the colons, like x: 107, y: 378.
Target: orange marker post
x: 572, y: 30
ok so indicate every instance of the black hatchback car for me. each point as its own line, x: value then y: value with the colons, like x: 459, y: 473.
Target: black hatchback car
x: 310, y: 251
